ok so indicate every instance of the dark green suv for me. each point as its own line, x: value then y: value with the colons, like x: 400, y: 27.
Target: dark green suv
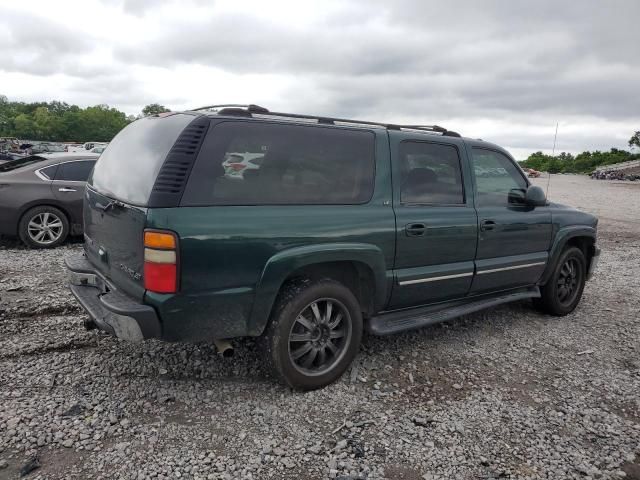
x: 235, y: 221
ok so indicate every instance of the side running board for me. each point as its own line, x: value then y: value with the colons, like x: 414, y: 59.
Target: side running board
x: 403, y: 320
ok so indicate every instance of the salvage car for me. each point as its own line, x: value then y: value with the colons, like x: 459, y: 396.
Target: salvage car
x: 41, y: 197
x: 344, y: 225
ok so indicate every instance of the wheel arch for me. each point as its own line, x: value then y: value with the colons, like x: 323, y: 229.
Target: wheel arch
x: 360, y: 267
x: 37, y: 203
x: 581, y: 237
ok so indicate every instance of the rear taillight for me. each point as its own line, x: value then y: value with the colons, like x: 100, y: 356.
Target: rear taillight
x: 160, y: 261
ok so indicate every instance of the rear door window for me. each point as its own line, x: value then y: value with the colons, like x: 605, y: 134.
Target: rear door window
x: 261, y: 163
x: 75, y: 171
x: 431, y: 174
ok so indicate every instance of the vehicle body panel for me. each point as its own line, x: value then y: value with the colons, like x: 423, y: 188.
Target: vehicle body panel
x: 438, y: 264
x: 113, y: 234
x: 246, y: 253
x: 513, y: 239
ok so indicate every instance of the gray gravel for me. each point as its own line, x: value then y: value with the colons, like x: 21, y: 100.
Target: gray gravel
x: 506, y: 393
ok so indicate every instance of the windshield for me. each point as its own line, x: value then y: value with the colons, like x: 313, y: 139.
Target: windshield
x: 20, y: 162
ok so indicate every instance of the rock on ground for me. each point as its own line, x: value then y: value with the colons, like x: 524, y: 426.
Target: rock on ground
x: 505, y: 393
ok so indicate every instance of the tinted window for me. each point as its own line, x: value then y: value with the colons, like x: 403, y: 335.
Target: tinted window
x: 128, y: 167
x: 75, y: 171
x: 20, y: 162
x: 249, y: 163
x: 496, y: 176
x: 430, y: 174
x: 50, y: 172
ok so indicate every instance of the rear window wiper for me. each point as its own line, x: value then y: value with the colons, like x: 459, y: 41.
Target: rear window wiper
x: 111, y: 204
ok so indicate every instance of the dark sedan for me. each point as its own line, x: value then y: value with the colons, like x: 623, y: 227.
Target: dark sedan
x: 41, y: 197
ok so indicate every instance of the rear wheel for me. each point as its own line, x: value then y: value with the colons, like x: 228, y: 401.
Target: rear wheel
x: 314, y: 333
x: 563, y: 291
x: 43, y: 227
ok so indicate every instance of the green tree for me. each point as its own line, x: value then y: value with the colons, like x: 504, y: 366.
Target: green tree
x: 44, y: 123
x: 634, y: 141
x: 101, y: 123
x: 584, y: 162
x: 59, y: 121
x: 24, y: 127
x: 154, y: 109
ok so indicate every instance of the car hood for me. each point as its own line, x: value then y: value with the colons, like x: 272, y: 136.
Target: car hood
x: 565, y: 215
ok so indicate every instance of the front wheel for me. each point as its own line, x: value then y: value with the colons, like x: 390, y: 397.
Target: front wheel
x: 314, y: 333
x: 563, y: 291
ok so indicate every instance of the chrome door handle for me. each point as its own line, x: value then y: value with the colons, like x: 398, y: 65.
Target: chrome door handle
x: 65, y: 189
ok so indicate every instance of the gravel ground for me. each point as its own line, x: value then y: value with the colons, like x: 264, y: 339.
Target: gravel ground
x: 506, y: 393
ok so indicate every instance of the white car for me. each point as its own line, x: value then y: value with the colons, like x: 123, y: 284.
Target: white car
x: 86, y: 147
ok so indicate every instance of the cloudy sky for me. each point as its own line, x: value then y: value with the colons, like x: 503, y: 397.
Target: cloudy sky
x: 505, y: 71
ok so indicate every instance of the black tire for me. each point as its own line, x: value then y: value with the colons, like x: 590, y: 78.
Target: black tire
x: 562, y: 293
x: 317, y: 334
x: 54, y: 227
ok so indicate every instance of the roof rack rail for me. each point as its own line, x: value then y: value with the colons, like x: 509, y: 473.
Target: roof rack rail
x: 249, y: 110
x: 233, y: 107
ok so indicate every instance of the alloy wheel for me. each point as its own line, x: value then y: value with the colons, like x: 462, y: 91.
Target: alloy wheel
x: 45, y: 228
x: 320, y: 336
x: 568, y: 281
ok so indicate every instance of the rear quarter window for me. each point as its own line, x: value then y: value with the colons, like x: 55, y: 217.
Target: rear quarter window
x: 129, y: 165
x: 261, y: 163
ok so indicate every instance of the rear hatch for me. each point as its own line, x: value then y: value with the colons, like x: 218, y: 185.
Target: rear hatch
x: 117, y: 196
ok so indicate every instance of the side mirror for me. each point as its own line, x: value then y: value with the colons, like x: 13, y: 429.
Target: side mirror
x: 535, y: 196
x: 517, y: 196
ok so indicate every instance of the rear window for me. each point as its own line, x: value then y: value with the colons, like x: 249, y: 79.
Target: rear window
x: 247, y: 163
x: 75, y: 171
x: 128, y: 167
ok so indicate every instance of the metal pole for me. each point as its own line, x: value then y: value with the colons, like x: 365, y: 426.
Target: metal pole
x: 553, y: 153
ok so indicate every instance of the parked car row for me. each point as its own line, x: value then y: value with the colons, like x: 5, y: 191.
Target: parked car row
x: 614, y: 175
x: 85, y: 147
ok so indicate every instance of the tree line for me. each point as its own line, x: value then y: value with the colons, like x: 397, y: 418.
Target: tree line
x: 584, y: 162
x: 60, y: 122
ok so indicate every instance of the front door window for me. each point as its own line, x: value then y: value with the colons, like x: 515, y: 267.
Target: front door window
x: 498, y: 180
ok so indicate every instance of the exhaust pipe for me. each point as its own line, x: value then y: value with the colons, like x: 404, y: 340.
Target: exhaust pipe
x: 224, y: 347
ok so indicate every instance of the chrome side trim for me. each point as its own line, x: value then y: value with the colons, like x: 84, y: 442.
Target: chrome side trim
x: 44, y: 177
x: 41, y: 175
x: 514, y: 267
x: 435, y: 279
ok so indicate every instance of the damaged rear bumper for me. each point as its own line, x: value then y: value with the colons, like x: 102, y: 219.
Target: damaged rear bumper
x: 110, y: 310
